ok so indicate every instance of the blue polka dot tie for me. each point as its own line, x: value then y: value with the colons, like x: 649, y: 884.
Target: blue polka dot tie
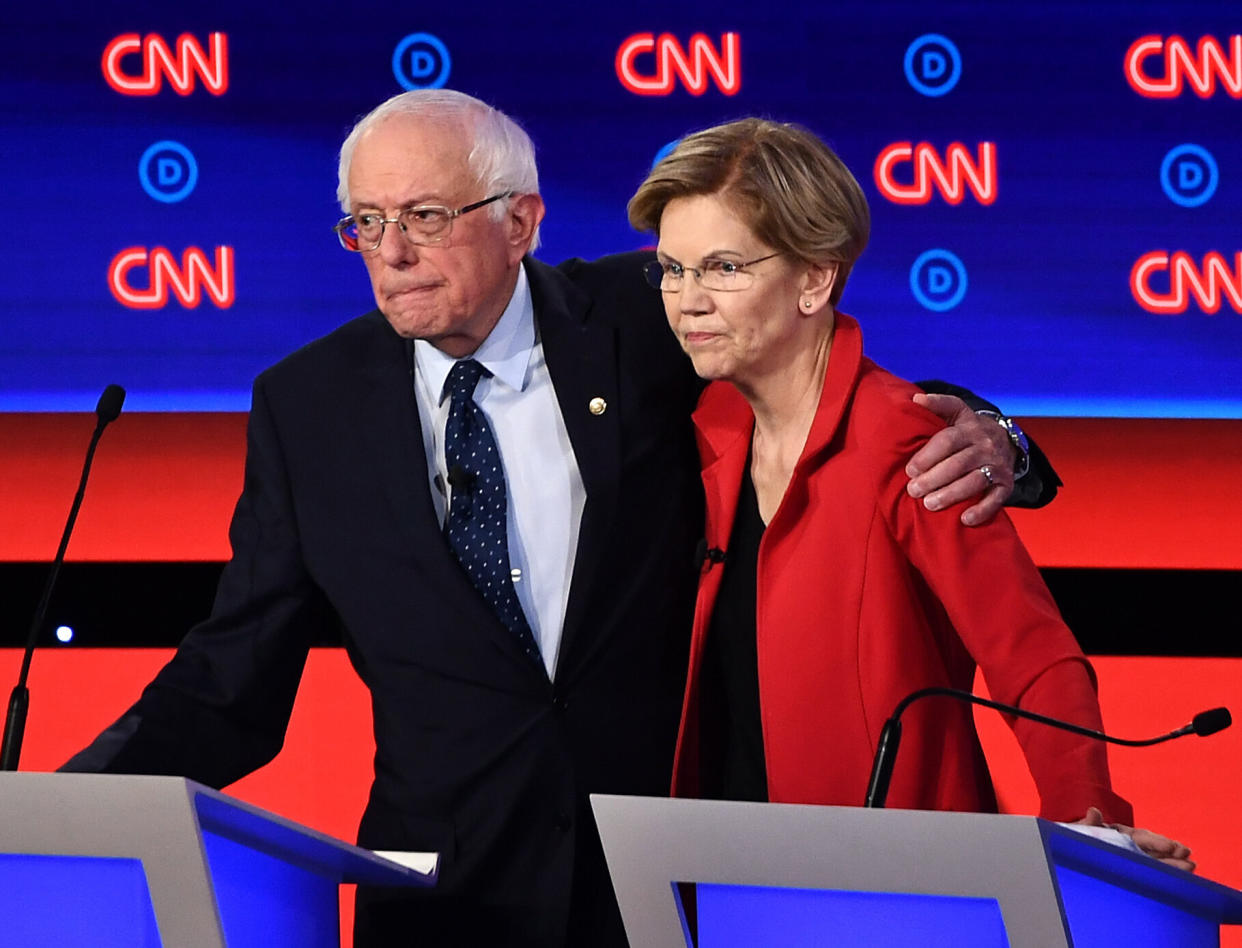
x: 477, y: 526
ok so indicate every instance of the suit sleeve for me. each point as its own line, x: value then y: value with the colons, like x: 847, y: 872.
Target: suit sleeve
x: 219, y: 708
x: 1038, y: 487
x: 1007, y: 620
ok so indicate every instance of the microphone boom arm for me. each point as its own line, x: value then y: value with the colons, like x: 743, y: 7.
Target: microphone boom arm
x: 1204, y: 723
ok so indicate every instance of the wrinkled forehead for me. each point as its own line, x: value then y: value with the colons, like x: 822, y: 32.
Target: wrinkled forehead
x: 412, y: 158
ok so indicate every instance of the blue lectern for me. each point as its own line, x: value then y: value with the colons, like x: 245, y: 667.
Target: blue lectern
x: 101, y: 860
x: 773, y: 874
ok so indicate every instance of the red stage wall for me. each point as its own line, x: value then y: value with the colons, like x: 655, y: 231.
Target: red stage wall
x: 1142, y: 493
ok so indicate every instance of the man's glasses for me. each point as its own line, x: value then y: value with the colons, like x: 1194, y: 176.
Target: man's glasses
x: 422, y: 225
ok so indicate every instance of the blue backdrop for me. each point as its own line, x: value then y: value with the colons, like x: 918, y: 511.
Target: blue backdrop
x: 1072, y: 270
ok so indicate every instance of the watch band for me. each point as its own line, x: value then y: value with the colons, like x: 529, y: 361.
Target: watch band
x: 1017, y: 437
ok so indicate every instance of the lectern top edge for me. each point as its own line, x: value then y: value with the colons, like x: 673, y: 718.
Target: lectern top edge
x: 1141, y: 874
x: 312, y: 850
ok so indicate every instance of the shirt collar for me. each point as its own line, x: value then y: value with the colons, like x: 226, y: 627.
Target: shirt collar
x: 505, y: 353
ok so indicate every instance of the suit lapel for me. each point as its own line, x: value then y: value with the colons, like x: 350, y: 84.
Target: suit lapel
x: 395, y: 436
x: 390, y: 422
x: 581, y: 358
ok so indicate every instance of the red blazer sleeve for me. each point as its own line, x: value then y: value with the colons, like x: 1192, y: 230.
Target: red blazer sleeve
x: 996, y: 600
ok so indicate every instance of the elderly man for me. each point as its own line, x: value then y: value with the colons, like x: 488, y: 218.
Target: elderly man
x: 491, y: 483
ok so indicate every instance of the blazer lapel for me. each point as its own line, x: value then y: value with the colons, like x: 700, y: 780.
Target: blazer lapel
x: 581, y: 359
x: 395, y: 436
x: 725, y: 424
x: 390, y: 421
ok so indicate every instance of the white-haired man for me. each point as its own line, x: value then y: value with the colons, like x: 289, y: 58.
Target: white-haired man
x: 506, y: 686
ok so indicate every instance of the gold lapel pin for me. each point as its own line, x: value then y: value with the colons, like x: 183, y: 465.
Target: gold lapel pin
x: 597, y: 406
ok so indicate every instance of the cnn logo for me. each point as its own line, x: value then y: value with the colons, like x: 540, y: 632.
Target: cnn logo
x: 137, y: 65
x: 1175, y: 67
x: 672, y: 62
x: 1208, y: 283
x: 188, y: 280
x: 952, y: 176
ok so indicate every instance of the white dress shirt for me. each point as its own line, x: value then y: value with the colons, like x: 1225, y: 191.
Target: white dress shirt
x: 545, y: 492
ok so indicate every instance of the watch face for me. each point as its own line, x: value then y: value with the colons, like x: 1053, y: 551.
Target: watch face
x: 1018, y: 437
x: 1017, y: 434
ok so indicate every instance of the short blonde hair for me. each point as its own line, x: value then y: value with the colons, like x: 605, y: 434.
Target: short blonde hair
x: 790, y: 188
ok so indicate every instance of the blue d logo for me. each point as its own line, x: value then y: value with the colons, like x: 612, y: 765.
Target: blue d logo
x: 938, y: 280
x: 1189, y: 175
x: 421, y: 61
x: 167, y: 171
x: 933, y: 64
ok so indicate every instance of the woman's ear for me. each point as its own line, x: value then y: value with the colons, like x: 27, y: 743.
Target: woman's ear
x: 817, y: 284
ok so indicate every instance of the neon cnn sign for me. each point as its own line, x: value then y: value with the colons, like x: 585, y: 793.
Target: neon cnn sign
x: 1208, y: 283
x: 952, y: 176
x: 693, y: 67
x: 188, y: 281
x: 1211, y: 62
x: 179, y: 64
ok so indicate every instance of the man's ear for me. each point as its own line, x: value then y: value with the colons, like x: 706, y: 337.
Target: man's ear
x: 523, y: 216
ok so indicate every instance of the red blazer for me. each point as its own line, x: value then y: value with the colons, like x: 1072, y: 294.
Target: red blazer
x: 865, y: 596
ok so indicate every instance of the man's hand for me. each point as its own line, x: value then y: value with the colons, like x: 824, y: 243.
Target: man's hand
x: 1168, y: 851
x: 947, y: 469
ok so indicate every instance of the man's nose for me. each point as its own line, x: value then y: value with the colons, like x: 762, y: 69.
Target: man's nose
x: 395, y: 249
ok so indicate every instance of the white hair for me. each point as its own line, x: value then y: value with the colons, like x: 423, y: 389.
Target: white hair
x: 502, y: 156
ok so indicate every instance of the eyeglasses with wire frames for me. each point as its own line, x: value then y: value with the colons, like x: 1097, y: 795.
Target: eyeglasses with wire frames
x: 713, y: 273
x: 422, y: 224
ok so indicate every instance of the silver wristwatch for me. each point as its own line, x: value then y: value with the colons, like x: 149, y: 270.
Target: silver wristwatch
x: 1017, y: 437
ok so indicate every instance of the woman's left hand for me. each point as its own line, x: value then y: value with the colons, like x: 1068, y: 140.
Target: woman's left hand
x: 1168, y: 851
x: 948, y: 469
